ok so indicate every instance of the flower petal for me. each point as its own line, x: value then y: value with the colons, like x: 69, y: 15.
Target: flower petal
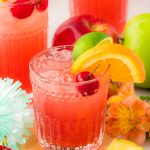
x: 145, y: 124
x: 127, y: 89
x: 136, y: 136
x: 139, y: 108
x: 111, y: 127
x: 120, y: 119
x: 114, y: 99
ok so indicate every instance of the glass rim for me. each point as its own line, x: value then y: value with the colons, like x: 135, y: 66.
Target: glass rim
x: 44, y: 79
x: 11, y: 4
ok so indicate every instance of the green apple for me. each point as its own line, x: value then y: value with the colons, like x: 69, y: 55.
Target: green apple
x: 137, y: 38
x: 86, y: 42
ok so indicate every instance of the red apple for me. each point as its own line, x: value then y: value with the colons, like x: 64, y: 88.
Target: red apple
x: 69, y: 31
x: 108, y: 29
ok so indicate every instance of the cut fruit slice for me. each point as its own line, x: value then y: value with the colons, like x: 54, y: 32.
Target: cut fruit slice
x: 121, y: 144
x: 124, y: 65
x: 86, y: 42
x: 107, y: 40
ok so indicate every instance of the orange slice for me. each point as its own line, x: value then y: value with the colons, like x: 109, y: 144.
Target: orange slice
x: 124, y: 64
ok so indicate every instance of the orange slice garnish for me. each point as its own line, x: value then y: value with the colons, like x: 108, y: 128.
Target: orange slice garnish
x: 124, y: 64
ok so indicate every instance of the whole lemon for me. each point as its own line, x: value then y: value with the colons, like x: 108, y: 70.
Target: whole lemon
x: 121, y: 144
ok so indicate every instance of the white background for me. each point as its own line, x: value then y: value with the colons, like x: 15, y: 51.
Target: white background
x: 59, y: 11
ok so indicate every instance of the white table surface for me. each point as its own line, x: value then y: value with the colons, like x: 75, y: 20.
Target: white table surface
x: 59, y: 11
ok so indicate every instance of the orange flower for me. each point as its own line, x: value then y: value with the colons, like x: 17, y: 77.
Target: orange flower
x: 124, y: 90
x: 130, y: 119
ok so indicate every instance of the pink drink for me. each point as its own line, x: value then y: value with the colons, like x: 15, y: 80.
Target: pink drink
x: 65, y: 118
x: 21, y: 38
x: 110, y: 11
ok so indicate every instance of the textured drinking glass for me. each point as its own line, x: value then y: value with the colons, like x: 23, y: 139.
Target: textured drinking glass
x: 23, y: 33
x: 113, y: 12
x: 64, y: 118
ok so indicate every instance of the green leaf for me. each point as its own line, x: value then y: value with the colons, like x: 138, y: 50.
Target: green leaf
x: 145, y: 98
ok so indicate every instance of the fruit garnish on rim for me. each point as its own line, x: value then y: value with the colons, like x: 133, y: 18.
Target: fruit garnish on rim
x: 88, y: 89
x: 125, y: 66
x: 88, y: 41
x: 82, y: 45
x: 106, y: 40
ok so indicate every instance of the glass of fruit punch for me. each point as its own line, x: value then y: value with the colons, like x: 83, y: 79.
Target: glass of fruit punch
x: 69, y: 110
x: 23, y: 33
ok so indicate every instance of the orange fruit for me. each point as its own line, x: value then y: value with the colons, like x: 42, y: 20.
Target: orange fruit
x: 124, y: 64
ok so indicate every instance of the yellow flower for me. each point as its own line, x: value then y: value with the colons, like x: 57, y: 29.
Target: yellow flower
x: 129, y: 118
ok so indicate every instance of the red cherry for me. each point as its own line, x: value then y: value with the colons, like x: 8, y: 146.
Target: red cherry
x: 42, y: 5
x: 22, y: 9
x: 88, y: 88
